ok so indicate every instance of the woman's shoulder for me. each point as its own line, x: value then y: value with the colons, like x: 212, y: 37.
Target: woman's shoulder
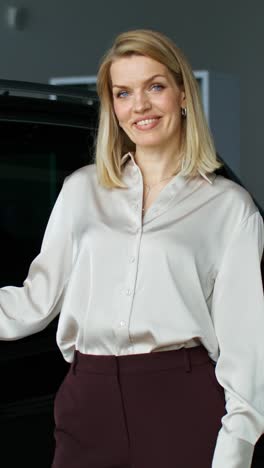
x: 235, y: 197
x: 81, y: 177
x: 82, y: 173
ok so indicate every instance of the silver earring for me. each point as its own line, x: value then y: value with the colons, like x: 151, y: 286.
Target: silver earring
x: 184, y: 112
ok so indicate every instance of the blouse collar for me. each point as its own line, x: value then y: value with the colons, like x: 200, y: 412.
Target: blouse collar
x: 209, y: 177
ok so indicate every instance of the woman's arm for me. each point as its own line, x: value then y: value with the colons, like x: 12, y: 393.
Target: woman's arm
x: 238, y: 317
x: 28, y: 309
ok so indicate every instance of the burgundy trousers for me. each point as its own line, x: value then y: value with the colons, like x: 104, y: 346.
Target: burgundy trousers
x: 155, y: 410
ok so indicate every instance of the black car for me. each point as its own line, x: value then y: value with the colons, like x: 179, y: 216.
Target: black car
x: 46, y: 132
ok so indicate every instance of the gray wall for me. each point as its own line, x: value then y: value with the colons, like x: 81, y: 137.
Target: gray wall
x: 66, y: 37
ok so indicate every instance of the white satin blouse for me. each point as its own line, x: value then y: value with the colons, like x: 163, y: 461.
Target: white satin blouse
x: 188, y: 273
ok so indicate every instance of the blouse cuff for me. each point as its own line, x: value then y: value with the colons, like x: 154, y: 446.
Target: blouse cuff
x: 232, y: 452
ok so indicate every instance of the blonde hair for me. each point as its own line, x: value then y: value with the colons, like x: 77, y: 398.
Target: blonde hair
x: 197, y: 149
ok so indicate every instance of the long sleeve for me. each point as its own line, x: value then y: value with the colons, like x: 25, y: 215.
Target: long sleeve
x: 238, y: 317
x: 28, y: 309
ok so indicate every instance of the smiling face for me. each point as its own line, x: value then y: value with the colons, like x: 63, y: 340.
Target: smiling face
x: 147, y: 102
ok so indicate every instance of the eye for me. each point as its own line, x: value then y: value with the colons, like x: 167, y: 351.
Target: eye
x: 157, y: 87
x: 121, y: 94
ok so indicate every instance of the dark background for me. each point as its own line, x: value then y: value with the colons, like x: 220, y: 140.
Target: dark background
x: 65, y: 38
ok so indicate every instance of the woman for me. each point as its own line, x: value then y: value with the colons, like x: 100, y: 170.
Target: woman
x: 160, y: 319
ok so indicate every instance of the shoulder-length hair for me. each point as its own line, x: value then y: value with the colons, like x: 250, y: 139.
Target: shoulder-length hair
x: 197, y: 153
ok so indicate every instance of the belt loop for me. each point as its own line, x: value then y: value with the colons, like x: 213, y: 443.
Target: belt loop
x: 187, y: 360
x: 75, y: 359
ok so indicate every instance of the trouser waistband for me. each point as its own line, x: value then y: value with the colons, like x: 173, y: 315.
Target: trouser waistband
x: 185, y: 358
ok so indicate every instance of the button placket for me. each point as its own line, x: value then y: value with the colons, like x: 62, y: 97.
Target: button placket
x: 122, y: 324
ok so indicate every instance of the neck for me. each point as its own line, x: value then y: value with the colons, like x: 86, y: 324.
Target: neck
x: 155, y: 166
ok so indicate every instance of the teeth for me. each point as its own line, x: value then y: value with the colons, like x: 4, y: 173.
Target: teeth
x: 146, y: 122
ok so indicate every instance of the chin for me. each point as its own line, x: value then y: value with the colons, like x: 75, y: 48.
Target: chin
x: 148, y: 140
x: 149, y: 143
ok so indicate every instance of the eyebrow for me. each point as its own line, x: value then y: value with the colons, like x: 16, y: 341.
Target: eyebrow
x: 146, y: 81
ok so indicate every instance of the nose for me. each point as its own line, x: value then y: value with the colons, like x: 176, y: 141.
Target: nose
x: 141, y: 102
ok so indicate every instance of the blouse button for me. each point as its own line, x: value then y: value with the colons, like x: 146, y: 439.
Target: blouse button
x: 132, y: 259
x: 128, y: 292
x: 122, y: 323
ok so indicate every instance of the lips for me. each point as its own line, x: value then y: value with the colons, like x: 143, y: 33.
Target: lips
x: 148, y: 123
x: 147, y: 117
